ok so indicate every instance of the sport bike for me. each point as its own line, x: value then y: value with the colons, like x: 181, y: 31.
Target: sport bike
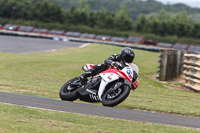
x: 110, y: 87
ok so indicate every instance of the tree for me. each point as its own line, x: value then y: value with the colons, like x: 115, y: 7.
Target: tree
x: 71, y: 16
x: 154, y: 26
x: 46, y: 11
x: 141, y: 23
x: 195, y: 30
x: 101, y: 17
x: 162, y: 28
x: 171, y: 27
x: 182, y: 22
x: 15, y: 9
x: 92, y: 19
x: 122, y: 21
x: 84, y: 11
x: 109, y: 20
x: 163, y: 15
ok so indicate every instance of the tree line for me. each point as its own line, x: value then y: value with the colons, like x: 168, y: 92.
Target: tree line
x: 46, y: 11
x: 134, y: 7
x: 165, y: 24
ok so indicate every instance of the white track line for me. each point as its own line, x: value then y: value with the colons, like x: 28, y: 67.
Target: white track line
x: 84, y: 45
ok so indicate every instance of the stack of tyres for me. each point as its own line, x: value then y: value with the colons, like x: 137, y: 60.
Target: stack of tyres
x: 192, y: 71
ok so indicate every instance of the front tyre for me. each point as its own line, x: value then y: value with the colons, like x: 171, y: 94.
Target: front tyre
x: 68, y: 92
x: 114, y: 97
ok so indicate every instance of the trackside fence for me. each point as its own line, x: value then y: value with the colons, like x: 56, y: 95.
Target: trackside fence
x: 192, y: 71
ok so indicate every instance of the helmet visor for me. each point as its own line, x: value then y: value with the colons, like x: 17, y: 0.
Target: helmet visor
x: 128, y: 58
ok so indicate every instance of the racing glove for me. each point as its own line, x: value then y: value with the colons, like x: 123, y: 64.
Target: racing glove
x: 117, y: 65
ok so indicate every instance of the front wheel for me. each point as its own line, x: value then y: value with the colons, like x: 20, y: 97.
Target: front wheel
x: 69, y: 92
x: 114, y: 97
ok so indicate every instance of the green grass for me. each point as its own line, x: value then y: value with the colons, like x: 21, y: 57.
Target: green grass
x: 16, y: 119
x: 44, y: 73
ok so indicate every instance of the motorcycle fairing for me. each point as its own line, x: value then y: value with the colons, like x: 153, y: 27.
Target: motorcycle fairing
x: 126, y: 73
x: 106, y: 79
x: 113, y: 74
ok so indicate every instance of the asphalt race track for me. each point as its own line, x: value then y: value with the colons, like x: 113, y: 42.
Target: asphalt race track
x: 15, y: 44
x: 30, y: 45
x: 64, y: 106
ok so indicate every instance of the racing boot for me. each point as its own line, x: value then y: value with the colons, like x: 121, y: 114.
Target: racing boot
x: 84, y: 76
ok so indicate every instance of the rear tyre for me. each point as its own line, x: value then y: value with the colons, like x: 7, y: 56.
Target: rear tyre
x: 114, y: 97
x: 68, y: 92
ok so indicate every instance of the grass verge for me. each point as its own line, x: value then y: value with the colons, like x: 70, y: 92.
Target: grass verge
x: 16, y: 119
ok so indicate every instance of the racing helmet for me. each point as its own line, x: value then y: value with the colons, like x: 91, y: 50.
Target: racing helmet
x: 127, y: 55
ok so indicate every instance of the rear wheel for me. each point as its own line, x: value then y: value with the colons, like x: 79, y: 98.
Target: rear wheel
x: 114, y: 97
x: 69, y: 92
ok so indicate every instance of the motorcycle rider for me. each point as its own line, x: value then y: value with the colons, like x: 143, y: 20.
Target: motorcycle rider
x: 127, y: 55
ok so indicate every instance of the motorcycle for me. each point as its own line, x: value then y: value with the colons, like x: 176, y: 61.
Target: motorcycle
x: 110, y: 87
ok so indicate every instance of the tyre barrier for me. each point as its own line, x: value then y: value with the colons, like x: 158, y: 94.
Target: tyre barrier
x: 85, y: 40
x: 192, y: 71
x: 170, y: 64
